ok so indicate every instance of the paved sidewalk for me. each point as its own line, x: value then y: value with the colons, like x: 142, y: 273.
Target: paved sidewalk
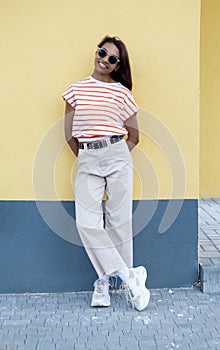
x: 209, y: 236
x: 179, y: 319
x: 209, y: 241
x: 175, y: 319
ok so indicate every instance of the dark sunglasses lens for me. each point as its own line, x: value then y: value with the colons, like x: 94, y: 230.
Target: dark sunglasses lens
x: 101, y: 53
x: 112, y: 59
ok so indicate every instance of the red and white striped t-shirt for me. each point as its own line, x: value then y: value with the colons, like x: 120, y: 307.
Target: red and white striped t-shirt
x: 100, y: 108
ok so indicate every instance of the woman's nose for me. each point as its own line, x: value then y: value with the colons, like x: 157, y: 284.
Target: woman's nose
x: 105, y: 59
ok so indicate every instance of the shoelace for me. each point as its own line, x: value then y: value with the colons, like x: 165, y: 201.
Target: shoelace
x: 113, y: 281
x: 99, y: 285
x: 129, y: 298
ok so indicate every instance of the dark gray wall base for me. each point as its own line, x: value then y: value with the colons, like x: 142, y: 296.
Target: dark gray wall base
x: 34, y: 259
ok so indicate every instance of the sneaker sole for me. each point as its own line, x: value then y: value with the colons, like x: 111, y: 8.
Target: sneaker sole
x: 143, y: 272
x: 145, y: 303
x: 100, y: 304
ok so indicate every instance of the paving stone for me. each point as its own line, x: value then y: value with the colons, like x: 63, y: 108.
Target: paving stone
x: 210, y: 279
x: 9, y: 347
x: 149, y: 345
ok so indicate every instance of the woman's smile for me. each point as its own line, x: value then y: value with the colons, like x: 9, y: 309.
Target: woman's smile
x: 102, y: 65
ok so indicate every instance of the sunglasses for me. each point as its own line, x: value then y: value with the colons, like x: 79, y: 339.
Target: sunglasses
x: 111, y: 58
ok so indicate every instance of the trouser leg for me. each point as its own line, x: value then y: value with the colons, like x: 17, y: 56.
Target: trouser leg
x: 118, y: 208
x: 89, y: 190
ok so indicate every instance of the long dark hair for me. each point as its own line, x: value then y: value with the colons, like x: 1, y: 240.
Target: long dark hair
x: 123, y: 73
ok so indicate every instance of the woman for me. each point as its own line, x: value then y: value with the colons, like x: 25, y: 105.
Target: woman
x: 101, y: 129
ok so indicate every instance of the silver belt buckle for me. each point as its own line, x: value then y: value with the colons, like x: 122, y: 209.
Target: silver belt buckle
x: 104, y: 143
x: 97, y: 144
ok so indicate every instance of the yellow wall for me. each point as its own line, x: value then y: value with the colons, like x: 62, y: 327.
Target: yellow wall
x: 210, y: 99
x: 47, y: 44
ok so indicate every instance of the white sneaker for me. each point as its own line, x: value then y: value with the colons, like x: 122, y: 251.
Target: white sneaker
x: 136, y: 292
x: 101, y: 295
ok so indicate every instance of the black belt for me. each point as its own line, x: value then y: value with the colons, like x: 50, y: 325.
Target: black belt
x: 100, y: 143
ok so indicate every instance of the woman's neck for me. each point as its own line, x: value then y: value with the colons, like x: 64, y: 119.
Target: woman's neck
x: 106, y: 78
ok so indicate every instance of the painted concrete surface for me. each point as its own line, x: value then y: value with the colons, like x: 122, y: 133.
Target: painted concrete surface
x: 33, y: 258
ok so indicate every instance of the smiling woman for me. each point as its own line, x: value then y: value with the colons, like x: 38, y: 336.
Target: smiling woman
x: 106, y: 61
x: 101, y: 128
x: 119, y: 70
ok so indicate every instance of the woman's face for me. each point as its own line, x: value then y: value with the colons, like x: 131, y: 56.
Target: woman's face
x: 102, y: 65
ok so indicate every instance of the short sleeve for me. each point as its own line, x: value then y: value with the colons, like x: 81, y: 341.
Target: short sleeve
x: 69, y: 96
x: 130, y: 106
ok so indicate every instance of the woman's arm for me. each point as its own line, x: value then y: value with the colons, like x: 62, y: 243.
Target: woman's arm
x: 72, y: 141
x: 131, y: 125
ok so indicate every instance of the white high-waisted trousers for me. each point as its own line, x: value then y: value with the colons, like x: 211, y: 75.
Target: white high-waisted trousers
x: 108, y: 241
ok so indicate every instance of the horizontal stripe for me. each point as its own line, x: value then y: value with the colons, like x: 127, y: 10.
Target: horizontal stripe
x: 101, y: 128
x: 104, y: 126
x: 97, y: 113
x: 102, y: 133
x: 89, y: 120
x: 99, y: 104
